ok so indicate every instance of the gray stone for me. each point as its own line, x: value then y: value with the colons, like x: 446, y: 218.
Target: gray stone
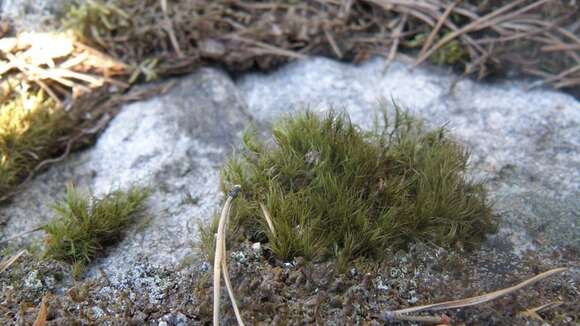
x: 34, y: 15
x: 525, y: 142
x: 175, y: 319
x: 174, y: 144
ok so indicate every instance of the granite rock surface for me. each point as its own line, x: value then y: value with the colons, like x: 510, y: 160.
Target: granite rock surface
x: 525, y: 142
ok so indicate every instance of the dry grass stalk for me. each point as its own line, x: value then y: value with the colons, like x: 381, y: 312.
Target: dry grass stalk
x: 6, y: 263
x: 397, y: 39
x: 534, y: 312
x: 400, y: 314
x: 220, y: 263
x: 437, y: 27
x: 268, y: 219
x: 76, y: 66
x: 19, y: 235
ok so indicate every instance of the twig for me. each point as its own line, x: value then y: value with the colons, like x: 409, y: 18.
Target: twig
x: 168, y: 24
x: 560, y: 47
x: 474, y: 25
x: 394, y: 315
x: 332, y: 43
x: 569, y: 82
x: 270, y: 49
x: 19, y: 235
x: 546, y: 306
x: 533, y: 313
x: 50, y: 92
x: 220, y: 262
x: 559, y: 77
x: 100, y: 125
x: 5, y: 264
x: 397, y: 39
x: 437, y: 27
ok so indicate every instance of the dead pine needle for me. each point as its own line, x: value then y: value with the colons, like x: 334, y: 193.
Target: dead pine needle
x: 220, y: 261
x: 400, y: 315
x: 534, y: 312
x: 21, y: 234
x: 6, y: 263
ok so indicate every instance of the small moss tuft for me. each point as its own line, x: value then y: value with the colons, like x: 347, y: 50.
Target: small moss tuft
x: 333, y: 189
x: 85, y: 225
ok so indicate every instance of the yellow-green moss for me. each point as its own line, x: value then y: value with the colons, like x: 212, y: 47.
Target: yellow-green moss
x: 333, y: 189
x: 30, y: 125
x: 84, y: 225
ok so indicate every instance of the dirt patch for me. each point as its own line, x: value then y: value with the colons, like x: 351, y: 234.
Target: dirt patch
x: 296, y: 293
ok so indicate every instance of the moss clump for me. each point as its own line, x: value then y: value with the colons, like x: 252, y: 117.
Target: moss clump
x: 30, y: 125
x: 333, y: 189
x: 85, y: 225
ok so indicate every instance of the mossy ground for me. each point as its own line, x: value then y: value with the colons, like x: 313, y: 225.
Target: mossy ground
x: 271, y: 291
x: 334, y: 190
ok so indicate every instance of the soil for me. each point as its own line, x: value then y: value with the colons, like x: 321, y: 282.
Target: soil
x: 296, y: 293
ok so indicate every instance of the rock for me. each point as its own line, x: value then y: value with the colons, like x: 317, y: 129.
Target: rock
x: 174, y: 144
x: 525, y: 142
x: 174, y: 319
x: 34, y: 15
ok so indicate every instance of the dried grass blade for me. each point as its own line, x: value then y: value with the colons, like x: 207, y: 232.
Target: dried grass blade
x: 21, y: 234
x: 397, y: 39
x: 473, y: 25
x: 332, y: 43
x: 5, y: 264
x: 267, y: 48
x: 171, y: 30
x: 268, y: 219
x: 437, y: 27
x: 558, y: 79
x: 227, y: 276
x: 219, y: 259
x: 393, y: 315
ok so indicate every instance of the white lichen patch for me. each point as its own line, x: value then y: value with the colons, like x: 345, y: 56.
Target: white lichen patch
x: 32, y: 281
